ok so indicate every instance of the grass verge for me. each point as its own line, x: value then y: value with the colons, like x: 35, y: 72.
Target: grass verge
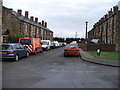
x: 106, y: 55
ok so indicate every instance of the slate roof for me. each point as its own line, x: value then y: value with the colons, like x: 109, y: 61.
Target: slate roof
x: 24, y: 19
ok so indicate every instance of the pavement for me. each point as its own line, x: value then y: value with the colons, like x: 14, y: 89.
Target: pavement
x: 87, y: 57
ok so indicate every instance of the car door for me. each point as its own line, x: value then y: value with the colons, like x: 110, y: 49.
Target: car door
x: 20, y: 50
x: 23, y: 50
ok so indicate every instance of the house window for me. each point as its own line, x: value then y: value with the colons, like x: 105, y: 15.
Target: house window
x: 26, y: 28
x: 5, y: 39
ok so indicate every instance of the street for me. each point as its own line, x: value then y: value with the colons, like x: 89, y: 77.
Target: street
x: 51, y: 69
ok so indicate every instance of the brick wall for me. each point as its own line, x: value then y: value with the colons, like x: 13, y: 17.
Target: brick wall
x: 94, y: 47
x: 102, y: 47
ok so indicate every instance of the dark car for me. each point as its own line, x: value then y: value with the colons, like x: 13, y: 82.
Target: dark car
x: 13, y: 51
x: 72, y: 49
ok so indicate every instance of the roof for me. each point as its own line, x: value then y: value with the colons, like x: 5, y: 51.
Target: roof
x: 23, y: 18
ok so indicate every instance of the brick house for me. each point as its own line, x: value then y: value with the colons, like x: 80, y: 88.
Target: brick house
x: 107, y: 29
x: 18, y: 24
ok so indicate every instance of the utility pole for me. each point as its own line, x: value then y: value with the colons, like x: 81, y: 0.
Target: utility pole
x: 75, y: 34
x: 86, y: 30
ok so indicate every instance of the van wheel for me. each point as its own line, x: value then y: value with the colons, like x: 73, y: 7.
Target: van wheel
x: 16, y: 57
x: 35, y: 52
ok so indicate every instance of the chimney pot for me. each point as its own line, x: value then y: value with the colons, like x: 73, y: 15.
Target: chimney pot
x: 20, y: 12
x: 26, y: 14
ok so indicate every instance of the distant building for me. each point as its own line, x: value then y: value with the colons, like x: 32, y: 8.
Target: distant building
x: 15, y: 23
x: 107, y: 29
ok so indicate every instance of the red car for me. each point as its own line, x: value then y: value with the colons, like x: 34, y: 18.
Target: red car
x: 72, y: 49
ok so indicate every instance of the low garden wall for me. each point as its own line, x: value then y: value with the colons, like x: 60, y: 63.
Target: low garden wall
x: 94, y: 47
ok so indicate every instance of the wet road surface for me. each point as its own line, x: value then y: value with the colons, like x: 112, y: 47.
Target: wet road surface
x: 51, y: 69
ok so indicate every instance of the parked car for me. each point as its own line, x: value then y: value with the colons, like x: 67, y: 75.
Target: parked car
x: 52, y: 46
x: 46, y: 44
x: 32, y: 44
x: 13, y: 51
x: 71, y: 49
x: 73, y: 42
x: 61, y: 44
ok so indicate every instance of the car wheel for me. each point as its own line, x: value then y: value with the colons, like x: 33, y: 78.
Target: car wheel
x: 41, y: 51
x: 78, y: 55
x: 27, y: 54
x: 65, y: 55
x: 16, y: 57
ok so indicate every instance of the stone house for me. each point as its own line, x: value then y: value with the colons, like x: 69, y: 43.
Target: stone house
x: 18, y: 24
x: 107, y: 29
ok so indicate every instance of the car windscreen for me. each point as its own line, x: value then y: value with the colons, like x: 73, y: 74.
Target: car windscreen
x: 25, y: 41
x: 6, y: 47
x: 44, y: 43
x: 71, y: 46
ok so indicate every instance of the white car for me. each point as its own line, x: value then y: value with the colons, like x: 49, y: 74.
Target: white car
x: 56, y: 43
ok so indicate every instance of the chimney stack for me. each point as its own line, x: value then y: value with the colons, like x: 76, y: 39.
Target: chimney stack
x: 20, y: 12
x: 115, y: 9
x: 36, y: 20
x: 10, y: 10
x: 102, y: 19
x: 42, y: 22
x: 26, y: 14
x: 110, y: 12
x: 106, y: 16
x: 46, y: 24
x: 31, y: 18
x: 39, y: 23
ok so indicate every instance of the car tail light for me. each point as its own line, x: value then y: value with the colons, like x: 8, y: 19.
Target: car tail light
x: 77, y: 50
x: 11, y: 52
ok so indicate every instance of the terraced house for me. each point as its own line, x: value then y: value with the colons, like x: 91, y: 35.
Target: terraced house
x: 107, y: 29
x: 17, y: 24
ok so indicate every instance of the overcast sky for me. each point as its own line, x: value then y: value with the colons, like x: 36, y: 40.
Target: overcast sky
x: 64, y: 17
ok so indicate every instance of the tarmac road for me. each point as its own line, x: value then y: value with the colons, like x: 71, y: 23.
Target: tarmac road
x: 51, y: 69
